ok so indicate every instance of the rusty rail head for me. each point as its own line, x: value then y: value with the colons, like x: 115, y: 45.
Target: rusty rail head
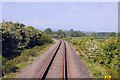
x: 49, y: 64
x: 65, y: 63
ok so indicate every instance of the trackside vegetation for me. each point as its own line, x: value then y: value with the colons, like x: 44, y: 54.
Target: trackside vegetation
x: 100, y: 51
x: 20, y: 44
x: 101, y: 55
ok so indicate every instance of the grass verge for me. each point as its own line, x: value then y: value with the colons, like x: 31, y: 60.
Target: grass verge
x: 96, y: 70
x: 27, y: 57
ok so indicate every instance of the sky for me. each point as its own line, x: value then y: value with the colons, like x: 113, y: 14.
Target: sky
x: 83, y: 16
x: 59, y: 0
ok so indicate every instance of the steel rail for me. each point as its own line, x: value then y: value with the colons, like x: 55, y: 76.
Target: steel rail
x: 50, y: 63
x: 65, y: 63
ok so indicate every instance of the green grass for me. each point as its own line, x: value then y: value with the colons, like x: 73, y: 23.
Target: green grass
x: 94, y: 69
x: 27, y: 57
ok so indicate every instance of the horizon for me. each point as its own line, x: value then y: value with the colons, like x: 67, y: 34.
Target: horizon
x: 80, y: 16
x: 61, y: 29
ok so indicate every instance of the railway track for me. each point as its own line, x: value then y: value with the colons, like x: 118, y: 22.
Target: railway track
x: 58, y: 62
x: 61, y: 46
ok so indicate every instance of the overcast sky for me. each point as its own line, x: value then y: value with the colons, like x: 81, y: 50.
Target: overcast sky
x: 83, y: 16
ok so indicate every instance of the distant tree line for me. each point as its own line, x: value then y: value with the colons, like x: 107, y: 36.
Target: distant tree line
x: 62, y: 34
x: 105, y: 34
x: 17, y: 36
x: 72, y: 33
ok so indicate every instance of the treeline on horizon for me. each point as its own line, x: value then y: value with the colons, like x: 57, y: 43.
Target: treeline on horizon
x: 16, y: 37
x: 72, y: 33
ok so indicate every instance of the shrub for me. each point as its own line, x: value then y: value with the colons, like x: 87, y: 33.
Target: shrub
x: 8, y: 68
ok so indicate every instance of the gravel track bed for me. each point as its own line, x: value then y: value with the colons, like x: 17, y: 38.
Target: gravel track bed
x: 75, y: 67
x: 56, y: 69
x: 35, y: 69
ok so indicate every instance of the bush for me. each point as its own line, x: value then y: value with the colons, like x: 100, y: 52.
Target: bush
x: 105, y: 52
x: 8, y: 68
x: 17, y: 40
x: 17, y: 37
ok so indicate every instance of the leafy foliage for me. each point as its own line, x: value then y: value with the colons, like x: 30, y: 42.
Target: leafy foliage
x: 16, y: 38
x: 105, y: 52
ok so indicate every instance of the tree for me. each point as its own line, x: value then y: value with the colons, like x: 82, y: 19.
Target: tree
x: 48, y: 31
x: 60, y: 33
x: 112, y: 34
x: 73, y: 33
